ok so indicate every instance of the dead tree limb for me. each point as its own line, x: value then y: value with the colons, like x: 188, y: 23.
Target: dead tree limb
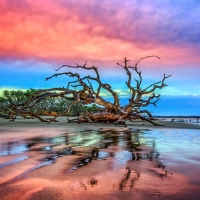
x: 81, y: 90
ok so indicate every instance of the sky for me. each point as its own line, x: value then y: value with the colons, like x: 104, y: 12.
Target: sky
x: 37, y: 37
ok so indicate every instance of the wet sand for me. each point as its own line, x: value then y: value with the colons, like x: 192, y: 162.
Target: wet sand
x: 99, y: 161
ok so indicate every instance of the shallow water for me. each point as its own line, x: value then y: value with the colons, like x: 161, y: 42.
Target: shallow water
x: 146, y: 162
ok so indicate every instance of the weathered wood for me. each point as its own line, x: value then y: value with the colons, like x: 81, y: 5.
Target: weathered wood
x: 82, y: 90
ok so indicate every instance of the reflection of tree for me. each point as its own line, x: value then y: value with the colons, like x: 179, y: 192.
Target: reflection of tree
x: 130, y: 177
x: 141, y: 149
x: 129, y: 140
x: 9, y: 147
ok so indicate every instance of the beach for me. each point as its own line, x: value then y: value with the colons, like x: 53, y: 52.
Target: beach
x: 99, y: 161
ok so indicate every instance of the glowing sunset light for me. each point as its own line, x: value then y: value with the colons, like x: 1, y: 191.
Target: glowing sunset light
x: 52, y: 33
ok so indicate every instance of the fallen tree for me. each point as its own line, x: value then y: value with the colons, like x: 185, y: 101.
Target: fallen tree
x: 81, y: 90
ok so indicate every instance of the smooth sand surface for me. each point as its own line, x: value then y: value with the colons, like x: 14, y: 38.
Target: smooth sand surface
x: 20, y: 122
x: 56, y: 161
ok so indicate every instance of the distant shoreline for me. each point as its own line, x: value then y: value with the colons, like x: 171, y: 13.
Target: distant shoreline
x: 62, y: 123
x: 176, y: 116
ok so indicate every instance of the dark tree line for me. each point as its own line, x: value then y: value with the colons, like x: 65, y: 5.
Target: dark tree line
x: 47, y: 106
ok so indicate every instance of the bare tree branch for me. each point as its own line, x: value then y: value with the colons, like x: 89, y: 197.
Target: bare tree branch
x: 81, y: 89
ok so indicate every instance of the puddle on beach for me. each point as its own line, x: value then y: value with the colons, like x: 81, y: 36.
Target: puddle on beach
x: 106, y: 159
x: 91, y: 144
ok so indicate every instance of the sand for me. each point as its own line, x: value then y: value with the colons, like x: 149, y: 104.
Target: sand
x: 30, y: 174
x: 20, y: 122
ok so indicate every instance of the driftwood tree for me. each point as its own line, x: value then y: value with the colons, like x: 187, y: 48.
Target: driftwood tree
x: 82, y: 90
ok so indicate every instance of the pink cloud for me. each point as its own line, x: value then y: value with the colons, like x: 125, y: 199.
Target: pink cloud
x: 103, y: 32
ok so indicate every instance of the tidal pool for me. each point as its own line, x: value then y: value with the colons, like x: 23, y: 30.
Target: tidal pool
x: 101, y: 163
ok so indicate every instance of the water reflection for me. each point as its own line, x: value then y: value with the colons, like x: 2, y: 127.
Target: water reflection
x: 133, y: 145
x: 130, y: 177
x: 12, y: 148
x: 101, y: 161
x: 120, y: 146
